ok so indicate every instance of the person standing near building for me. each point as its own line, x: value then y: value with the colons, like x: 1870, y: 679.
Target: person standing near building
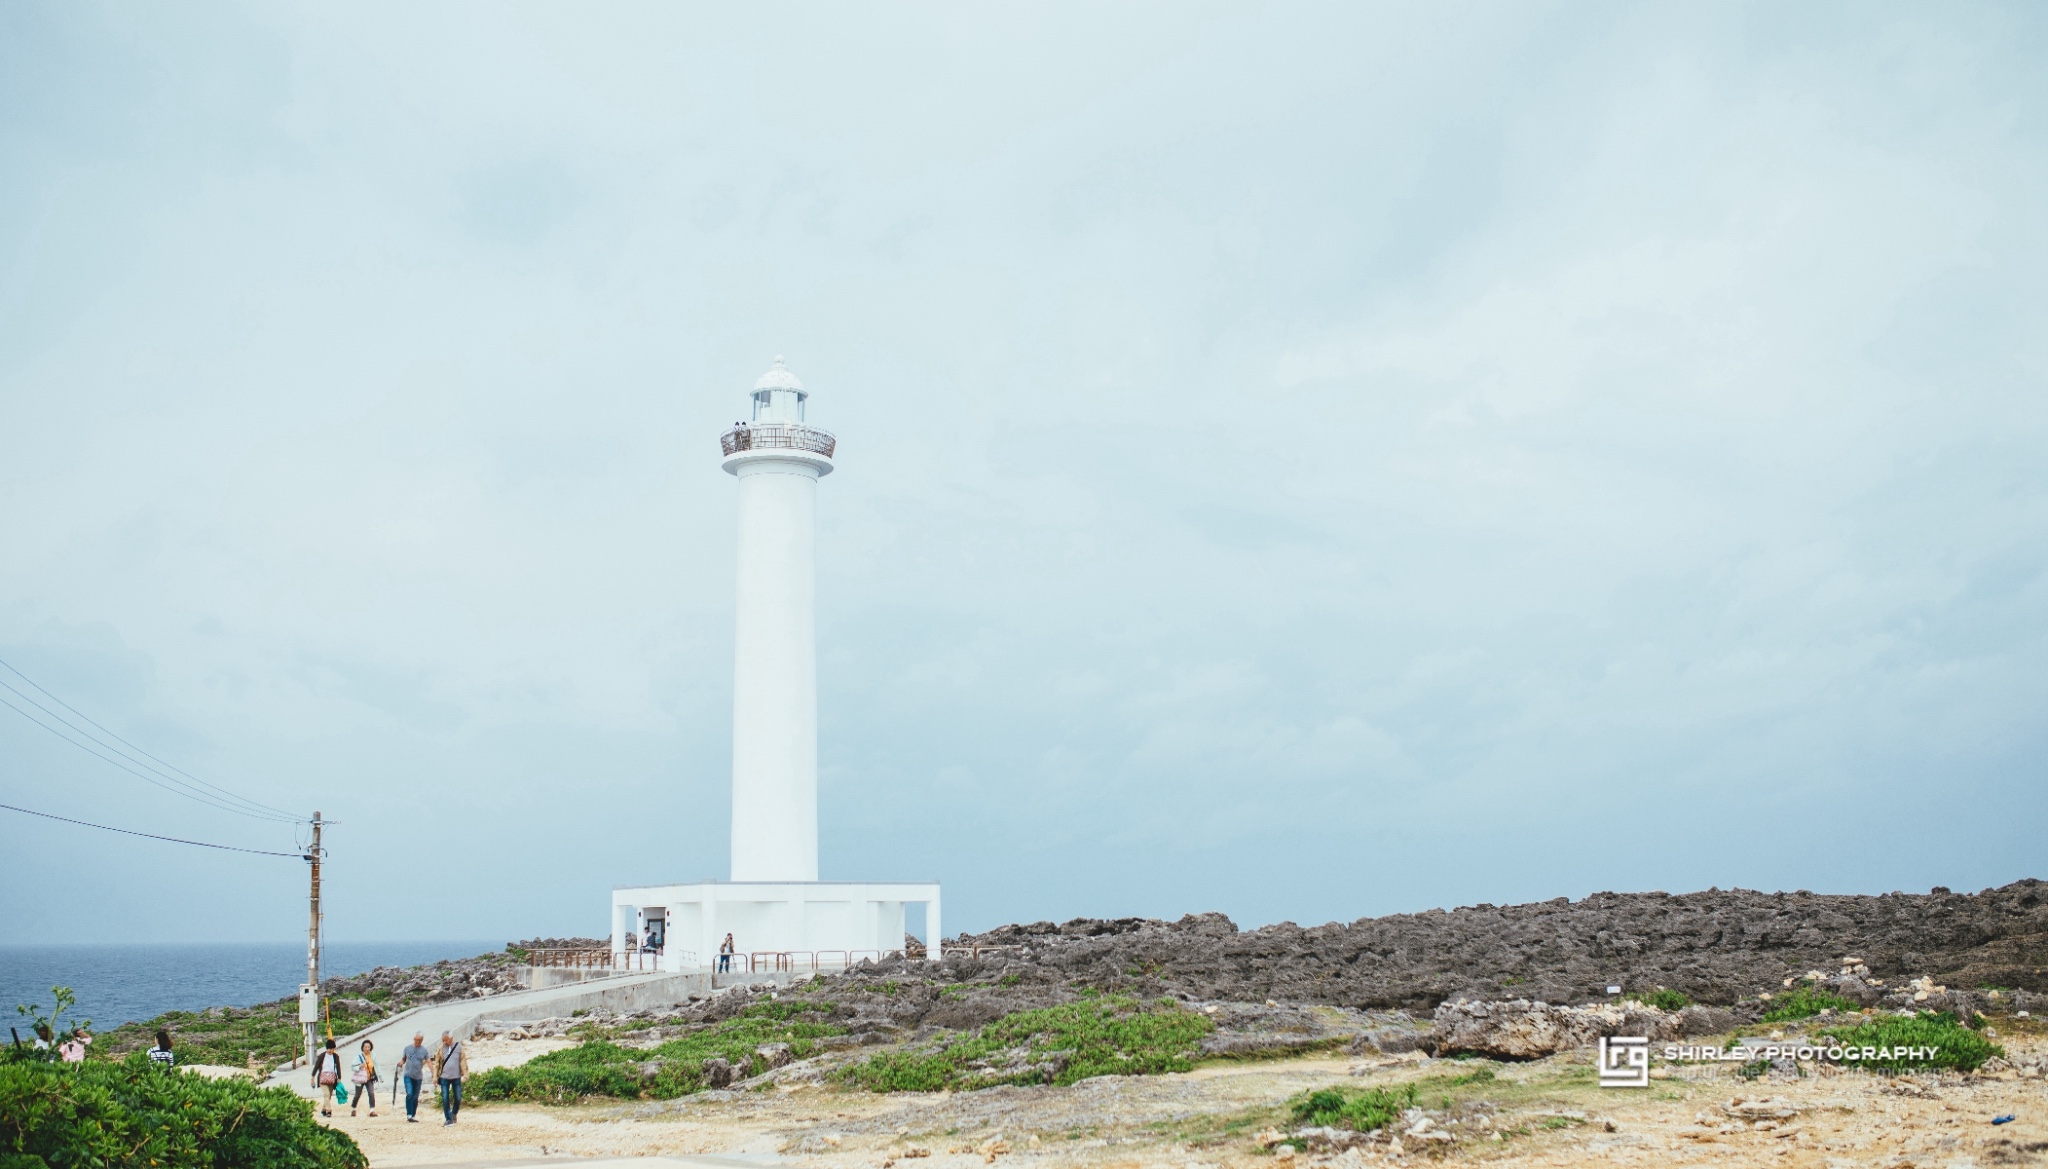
x: 725, y: 953
x: 413, y: 1063
x: 452, y: 1064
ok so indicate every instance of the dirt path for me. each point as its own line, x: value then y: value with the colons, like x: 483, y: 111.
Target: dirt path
x: 1545, y: 1113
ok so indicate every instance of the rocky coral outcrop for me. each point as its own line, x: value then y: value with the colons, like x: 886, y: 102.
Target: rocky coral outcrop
x: 1717, y: 947
x: 1521, y: 1029
x: 388, y: 987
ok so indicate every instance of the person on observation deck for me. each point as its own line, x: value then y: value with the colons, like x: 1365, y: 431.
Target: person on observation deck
x: 726, y: 949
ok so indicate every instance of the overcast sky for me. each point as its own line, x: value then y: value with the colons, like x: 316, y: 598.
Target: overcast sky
x: 1301, y: 461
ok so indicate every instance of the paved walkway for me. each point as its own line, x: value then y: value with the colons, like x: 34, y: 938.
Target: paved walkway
x: 461, y: 1016
x: 655, y: 1162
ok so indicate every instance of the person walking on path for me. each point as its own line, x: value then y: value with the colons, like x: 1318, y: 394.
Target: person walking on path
x: 413, y: 1063
x: 452, y: 1065
x: 326, y: 1076
x: 364, y: 1077
x: 725, y: 953
x: 161, y: 1054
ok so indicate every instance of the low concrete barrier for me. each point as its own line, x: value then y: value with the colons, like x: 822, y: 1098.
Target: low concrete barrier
x: 459, y: 1017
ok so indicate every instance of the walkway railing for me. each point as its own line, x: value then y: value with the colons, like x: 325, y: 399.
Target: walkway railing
x: 797, y: 961
x: 607, y: 959
x: 579, y: 959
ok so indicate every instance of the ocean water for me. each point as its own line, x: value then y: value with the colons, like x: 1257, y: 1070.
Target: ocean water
x: 116, y: 984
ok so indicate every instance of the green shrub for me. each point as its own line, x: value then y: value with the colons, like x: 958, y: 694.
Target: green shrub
x: 1956, y: 1046
x: 601, y: 1068
x: 1364, y: 1111
x: 269, y: 1031
x: 1805, y: 1001
x: 1108, y: 1035
x: 1663, y: 999
x: 133, y: 1113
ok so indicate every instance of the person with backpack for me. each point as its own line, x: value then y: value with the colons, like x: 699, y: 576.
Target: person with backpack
x: 364, y: 1078
x: 452, y: 1064
x: 327, y: 1076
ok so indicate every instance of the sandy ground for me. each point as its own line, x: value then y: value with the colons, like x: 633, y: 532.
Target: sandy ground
x: 1545, y: 1113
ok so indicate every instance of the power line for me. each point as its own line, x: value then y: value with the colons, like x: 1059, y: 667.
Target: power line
x: 152, y: 835
x: 198, y: 797
x: 214, y: 796
x: 131, y: 746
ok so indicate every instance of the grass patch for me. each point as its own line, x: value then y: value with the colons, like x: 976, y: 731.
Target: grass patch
x: 600, y: 1068
x: 230, y: 1035
x: 1663, y: 999
x: 1362, y: 1110
x: 1804, y: 1002
x: 1112, y: 1035
x: 1203, y: 1129
x: 132, y: 1113
x: 1956, y: 1046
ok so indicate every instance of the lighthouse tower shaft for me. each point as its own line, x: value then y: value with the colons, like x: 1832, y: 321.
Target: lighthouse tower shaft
x: 775, y: 677
x: 779, y: 461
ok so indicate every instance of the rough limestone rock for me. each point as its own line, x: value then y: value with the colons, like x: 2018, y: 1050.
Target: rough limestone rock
x: 1522, y: 1029
x: 1717, y: 947
x: 1389, y: 1041
x: 717, y: 1073
x: 1694, y: 1021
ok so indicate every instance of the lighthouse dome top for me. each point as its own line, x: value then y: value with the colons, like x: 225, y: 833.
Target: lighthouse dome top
x: 779, y: 378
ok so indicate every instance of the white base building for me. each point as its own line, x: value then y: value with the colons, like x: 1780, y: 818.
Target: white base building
x: 780, y: 916
x: 790, y: 925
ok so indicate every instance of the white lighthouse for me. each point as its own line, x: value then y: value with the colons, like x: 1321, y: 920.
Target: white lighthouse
x: 779, y: 460
x: 777, y: 911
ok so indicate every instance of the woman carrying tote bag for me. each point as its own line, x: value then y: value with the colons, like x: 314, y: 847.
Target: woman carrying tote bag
x: 327, y: 1076
x: 364, y: 1077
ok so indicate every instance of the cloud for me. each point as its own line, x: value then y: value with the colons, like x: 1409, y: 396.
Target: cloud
x: 1304, y: 467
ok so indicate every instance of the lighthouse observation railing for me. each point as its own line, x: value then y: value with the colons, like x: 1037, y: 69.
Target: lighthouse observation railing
x: 768, y: 436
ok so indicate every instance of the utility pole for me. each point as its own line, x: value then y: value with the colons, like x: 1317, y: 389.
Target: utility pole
x: 309, y: 994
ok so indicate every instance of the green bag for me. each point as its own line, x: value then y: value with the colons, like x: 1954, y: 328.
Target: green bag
x: 341, y: 1093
